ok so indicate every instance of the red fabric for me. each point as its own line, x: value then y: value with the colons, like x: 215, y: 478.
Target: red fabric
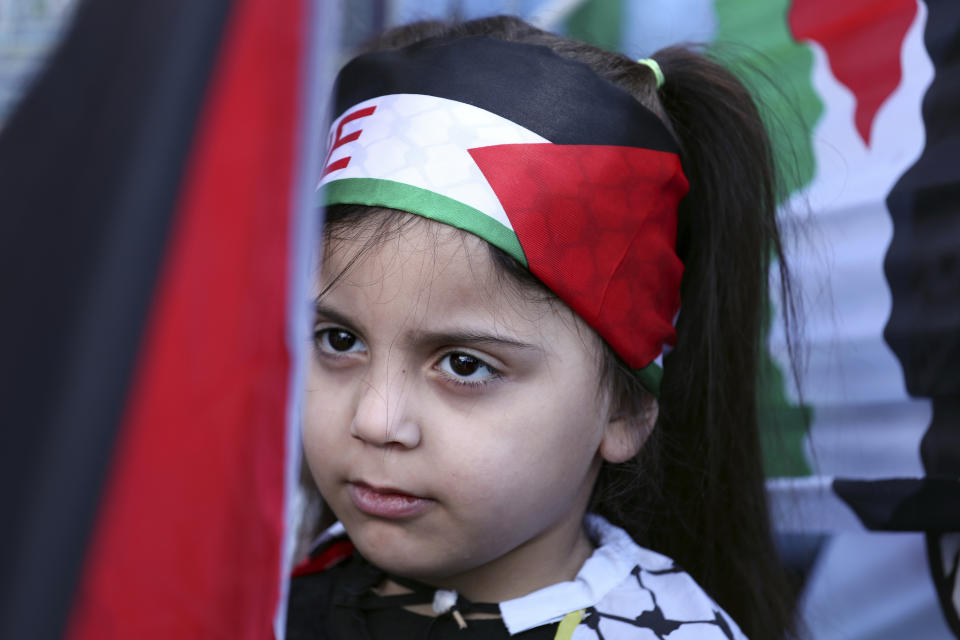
x: 862, y: 39
x: 598, y: 226
x: 332, y: 555
x: 189, y: 537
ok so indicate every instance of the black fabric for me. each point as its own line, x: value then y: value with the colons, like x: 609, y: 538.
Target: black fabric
x: 90, y: 167
x: 923, y: 269
x: 421, y: 593
x: 310, y: 602
x: 943, y: 555
x: 338, y: 604
x: 560, y: 99
x: 940, y: 446
x: 931, y: 503
x: 923, y: 262
x: 400, y: 624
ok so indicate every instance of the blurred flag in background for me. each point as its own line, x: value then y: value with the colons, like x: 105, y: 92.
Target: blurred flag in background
x: 156, y: 183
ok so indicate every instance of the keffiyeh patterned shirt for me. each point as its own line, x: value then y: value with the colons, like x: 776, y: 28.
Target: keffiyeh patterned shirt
x: 622, y: 592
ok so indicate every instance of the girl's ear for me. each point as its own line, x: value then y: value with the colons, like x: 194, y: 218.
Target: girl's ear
x: 626, y: 432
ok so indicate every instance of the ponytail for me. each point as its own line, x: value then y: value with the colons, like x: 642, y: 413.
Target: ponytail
x: 696, y: 491
x: 711, y: 512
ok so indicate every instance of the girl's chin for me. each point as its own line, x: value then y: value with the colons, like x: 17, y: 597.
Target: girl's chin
x: 409, y: 557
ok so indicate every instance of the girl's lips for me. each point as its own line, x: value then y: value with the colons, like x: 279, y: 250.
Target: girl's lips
x: 386, y: 502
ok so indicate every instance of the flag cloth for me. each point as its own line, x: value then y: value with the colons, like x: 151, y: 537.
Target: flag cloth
x: 156, y: 186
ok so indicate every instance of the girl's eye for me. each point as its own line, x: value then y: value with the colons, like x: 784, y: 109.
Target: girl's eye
x: 464, y: 368
x: 336, y: 341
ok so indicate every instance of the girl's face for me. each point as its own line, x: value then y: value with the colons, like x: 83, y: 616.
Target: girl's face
x: 454, y: 427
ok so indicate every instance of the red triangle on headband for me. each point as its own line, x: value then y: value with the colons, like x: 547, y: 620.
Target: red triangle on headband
x: 598, y: 225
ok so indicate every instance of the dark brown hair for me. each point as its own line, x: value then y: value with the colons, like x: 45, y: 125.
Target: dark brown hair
x: 695, y: 492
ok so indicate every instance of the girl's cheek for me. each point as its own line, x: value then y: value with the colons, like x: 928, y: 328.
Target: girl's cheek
x: 321, y: 422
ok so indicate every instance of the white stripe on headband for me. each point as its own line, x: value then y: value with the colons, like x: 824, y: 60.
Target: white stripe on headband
x: 422, y: 142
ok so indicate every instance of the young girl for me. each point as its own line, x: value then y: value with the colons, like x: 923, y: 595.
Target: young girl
x: 520, y: 230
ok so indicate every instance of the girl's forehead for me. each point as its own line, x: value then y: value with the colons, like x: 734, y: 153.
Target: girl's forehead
x: 419, y: 256
x: 410, y: 245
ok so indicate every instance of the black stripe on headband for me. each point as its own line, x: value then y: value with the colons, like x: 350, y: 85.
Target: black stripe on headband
x: 561, y: 99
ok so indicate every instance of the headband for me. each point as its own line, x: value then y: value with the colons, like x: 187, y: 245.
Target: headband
x: 536, y: 154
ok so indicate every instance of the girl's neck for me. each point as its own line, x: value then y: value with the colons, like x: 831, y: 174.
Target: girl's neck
x: 516, y: 573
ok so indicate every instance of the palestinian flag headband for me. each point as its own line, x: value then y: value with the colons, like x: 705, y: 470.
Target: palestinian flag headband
x: 537, y: 155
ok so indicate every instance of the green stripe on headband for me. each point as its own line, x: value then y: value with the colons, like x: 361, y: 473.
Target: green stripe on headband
x: 376, y: 192
x: 650, y: 377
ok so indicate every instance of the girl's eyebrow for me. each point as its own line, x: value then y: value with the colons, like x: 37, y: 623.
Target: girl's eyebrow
x: 436, y: 338
x: 468, y: 338
x: 321, y: 309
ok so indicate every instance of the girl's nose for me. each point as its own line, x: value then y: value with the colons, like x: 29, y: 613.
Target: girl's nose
x: 383, y: 414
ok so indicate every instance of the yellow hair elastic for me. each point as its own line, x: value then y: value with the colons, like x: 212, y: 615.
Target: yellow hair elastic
x: 655, y: 67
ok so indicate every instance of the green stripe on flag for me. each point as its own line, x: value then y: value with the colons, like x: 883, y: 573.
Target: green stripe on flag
x: 597, y: 22
x: 783, y: 425
x: 376, y: 192
x: 754, y: 41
